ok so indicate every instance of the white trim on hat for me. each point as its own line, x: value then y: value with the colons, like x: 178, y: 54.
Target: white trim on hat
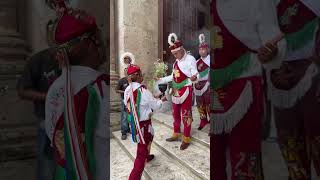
x: 202, y: 38
x: 177, y: 49
x: 174, y: 36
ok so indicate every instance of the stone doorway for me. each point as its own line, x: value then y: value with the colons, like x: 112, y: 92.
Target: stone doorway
x: 187, y: 19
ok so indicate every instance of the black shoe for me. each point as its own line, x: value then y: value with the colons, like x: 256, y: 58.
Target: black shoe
x: 184, y: 145
x: 171, y: 139
x: 124, y: 137
x: 150, y: 157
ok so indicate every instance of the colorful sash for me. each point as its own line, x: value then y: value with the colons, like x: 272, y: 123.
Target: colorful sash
x: 134, y: 114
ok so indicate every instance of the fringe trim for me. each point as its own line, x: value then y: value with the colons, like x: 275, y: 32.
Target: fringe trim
x: 287, y: 99
x: 203, y: 90
x: 181, y: 99
x: 225, y: 122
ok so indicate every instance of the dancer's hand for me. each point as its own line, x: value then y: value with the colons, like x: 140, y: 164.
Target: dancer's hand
x: 156, y: 79
x: 157, y: 96
x: 164, y: 98
x: 150, y: 115
x: 193, y: 78
x: 267, y: 52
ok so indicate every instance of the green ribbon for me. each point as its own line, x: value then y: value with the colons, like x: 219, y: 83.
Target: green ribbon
x: 204, y: 73
x: 300, y: 38
x: 180, y: 85
x: 223, y: 76
x: 92, y: 115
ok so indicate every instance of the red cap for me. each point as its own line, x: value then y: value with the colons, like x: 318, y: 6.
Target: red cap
x: 203, y: 45
x: 71, y: 23
x: 176, y: 45
x: 202, y: 41
x: 71, y: 26
x: 133, y: 69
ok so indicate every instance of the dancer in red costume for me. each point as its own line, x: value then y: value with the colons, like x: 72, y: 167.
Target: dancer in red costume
x: 140, y: 104
x: 202, y: 87
x: 184, y: 74
x: 247, y: 39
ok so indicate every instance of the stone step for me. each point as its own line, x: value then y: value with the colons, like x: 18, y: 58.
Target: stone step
x: 163, y: 167
x: 17, y: 142
x: 18, y: 151
x: 13, y: 53
x: 120, y: 163
x: 17, y: 170
x: 201, y: 137
x: 17, y: 133
x: 196, y: 158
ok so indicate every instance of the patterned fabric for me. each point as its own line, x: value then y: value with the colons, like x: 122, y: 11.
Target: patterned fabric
x: 87, y: 112
x: 133, y: 116
x: 183, y: 112
x: 298, y: 23
x: 203, y: 105
x: 298, y: 135
x: 244, y: 146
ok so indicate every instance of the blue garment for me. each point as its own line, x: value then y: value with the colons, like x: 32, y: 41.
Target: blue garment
x: 45, y: 162
x: 124, y: 122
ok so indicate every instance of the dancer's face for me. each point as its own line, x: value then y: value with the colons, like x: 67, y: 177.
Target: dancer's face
x: 203, y: 52
x: 178, y: 54
x: 127, y: 60
x: 137, y: 77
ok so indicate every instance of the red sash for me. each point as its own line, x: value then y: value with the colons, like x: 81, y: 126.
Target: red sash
x: 295, y: 22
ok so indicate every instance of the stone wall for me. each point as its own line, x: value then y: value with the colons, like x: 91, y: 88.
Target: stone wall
x: 138, y: 32
x: 17, y: 124
x: 134, y: 27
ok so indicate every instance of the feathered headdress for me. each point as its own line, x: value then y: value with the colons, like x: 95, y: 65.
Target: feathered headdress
x: 127, y: 54
x: 174, y: 43
x: 202, y: 41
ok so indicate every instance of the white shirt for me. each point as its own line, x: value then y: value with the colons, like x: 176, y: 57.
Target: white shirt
x: 188, y: 65
x: 254, y: 23
x: 81, y: 76
x: 147, y: 103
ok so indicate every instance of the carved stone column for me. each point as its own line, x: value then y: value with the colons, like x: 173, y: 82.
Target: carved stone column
x: 17, y: 124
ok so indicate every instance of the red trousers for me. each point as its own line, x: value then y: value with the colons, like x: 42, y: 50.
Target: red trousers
x: 298, y: 131
x: 203, y: 105
x: 243, y: 142
x: 143, y: 151
x: 183, y: 112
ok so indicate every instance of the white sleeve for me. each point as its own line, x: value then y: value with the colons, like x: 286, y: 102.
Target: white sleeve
x: 126, y: 95
x: 314, y: 5
x: 194, y: 69
x: 166, y: 79
x: 54, y: 106
x: 149, y: 100
x: 268, y: 29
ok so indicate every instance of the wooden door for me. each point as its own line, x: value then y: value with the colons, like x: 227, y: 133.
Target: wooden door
x: 185, y: 18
